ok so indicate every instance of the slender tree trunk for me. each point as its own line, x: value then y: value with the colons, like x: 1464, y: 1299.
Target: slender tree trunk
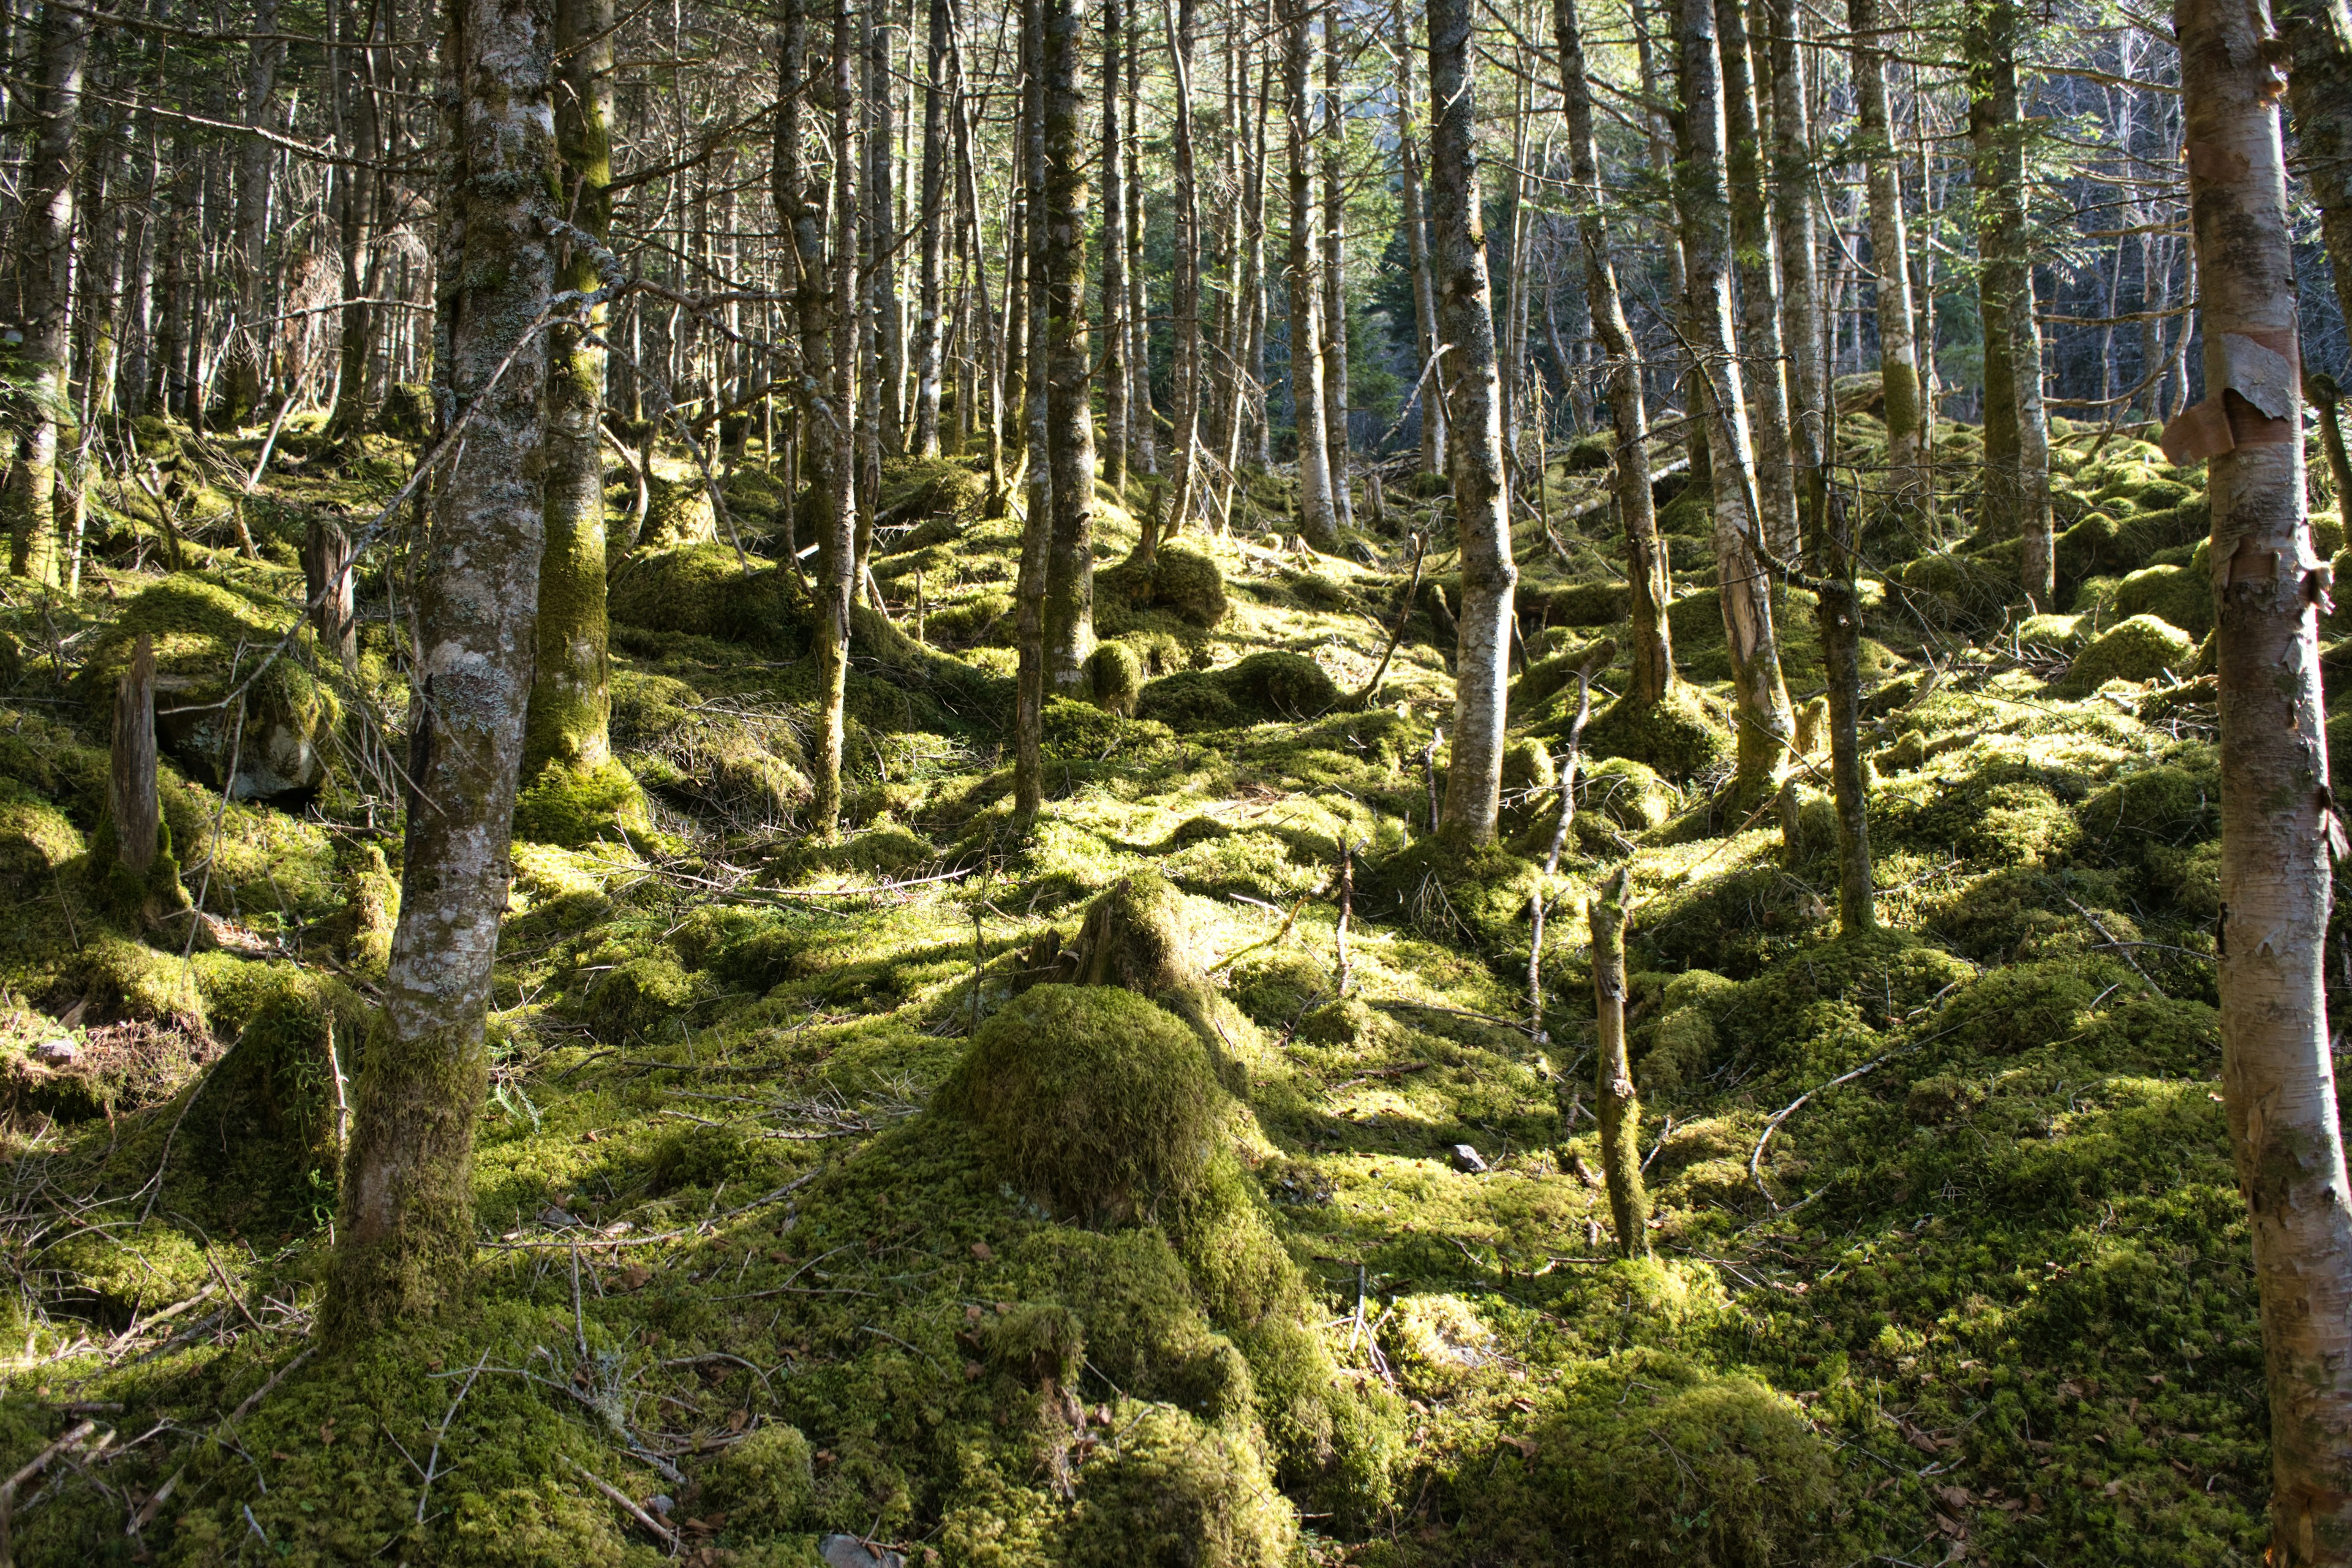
x: 1186, y: 291
x: 1761, y: 701
x: 1839, y: 614
x: 1140, y: 416
x: 1474, y: 779
x: 2278, y: 822
x: 1117, y: 382
x: 927, y: 335
x: 837, y: 556
x: 1317, y: 517
x: 1764, y: 365
x: 1334, y: 278
x: 2016, y: 434
x: 355, y: 196
x: 1794, y: 192
x: 1416, y: 234
x: 1069, y: 360
x: 405, y: 1239
x: 132, y: 801
x: 990, y: 355
x: 1898, y: 358
x: 1652, y: 643
x: 1620, y: 1107
x: 888, y: 419
x: 571, y: 692
x: 45, y: 287
x: 246, y: 370
x: 2318, y: 35
x: 1038, y: 521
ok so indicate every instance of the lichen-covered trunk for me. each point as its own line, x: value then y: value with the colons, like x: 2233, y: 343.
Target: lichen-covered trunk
x: 837, y: 556
x: 44, y: 291
x: 2278, y: 821
x: 2318, y: 35
x: 887, y: 413
x: 1474, y: 779
x: 1139, y: 413
x: 2016, y: 432
x: 1318, y: 520
x: 570, y: 694
x: 1117, y: 382
x: 1760, y: 698
x: 1840, y: 610
x: 1794, y: 190
x: 1906, y: 481
x: 355, y: 211
x: 1620, y: 1107
x: 1651, y: 641
x: 1037, y: 519
x: 1184, y: 287
x: 928, y: 342
x: 1069, y: 609
x: 405, y: 1238
x: 1764, y: 360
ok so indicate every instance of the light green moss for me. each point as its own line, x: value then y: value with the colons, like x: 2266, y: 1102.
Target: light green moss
x: 2140, y: 648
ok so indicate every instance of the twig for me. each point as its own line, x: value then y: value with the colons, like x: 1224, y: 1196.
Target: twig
x: 2123, y: 948
x: 660, y: 1530
x: 433, y: 1460
x: 34, y: 1466
x: 1756, y: 1160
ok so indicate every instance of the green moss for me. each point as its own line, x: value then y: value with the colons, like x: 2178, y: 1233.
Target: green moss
x: 1698, y: 1472
x: 1092, y: 1101
x: 1173, y: 1493
x: 1262, y: 686
x: 2064, y: 633
x: 1180, y: 580
x: 573, y: 806
x: 645, y: 995
x: 702, y: 590
x: 2140, y: 648
x: 767, y: 1475
x: 36, y: 841
x: 1115, y: 673
x: 2181, y: 595
x: 1679, y: 737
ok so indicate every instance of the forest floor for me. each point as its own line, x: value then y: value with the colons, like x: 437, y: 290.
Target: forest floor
x: 1307, y: 1264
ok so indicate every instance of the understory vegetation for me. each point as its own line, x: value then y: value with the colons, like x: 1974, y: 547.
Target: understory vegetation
x: 1196, y: 1181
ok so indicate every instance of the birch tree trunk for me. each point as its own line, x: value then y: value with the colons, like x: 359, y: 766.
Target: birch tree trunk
x: 1898, y: 358
x: 1140, y: 416
x: 1416, y: 235
x: 1794, y: 195
x: 1473, y: 778
x: 1063, y: 214
x: 1185, y: 290
x: 1317, y: 518
x: 1764, y: 364
x: 2318, y: 35
x: 1759, y: 699
x: 405, y: 1238
x: 888, y: 415
x: 2278, y: 821
x: 246, y: 370
x: 1620, y: 1107
x: 927, y: 337
x: 1651, y: 642
x: 1037, y: 520
x: 45, y: 287
x: 1335, y: 279
x: 1117, y: 382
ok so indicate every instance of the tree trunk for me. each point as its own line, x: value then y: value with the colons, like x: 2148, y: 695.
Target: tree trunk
x: 2016, y: 433
x: 1317, y: 518
x: 571, y: 691
x: 246, y: 370
x: 405, y: 1239
x: 355, y: 202
x: 1140, y: 415
x: 1117, y: 382
x: 1037, y: 520
x: 837, y: 555
x: 1063, y: 214
x: 1474, y: 779
x: 45, y: 287
x: 1416, y: 235
x: 1620, y: 1107
x: 2278, y: 822
x: 1839, y: 614
x: 887, y: 414
x: 1335, y: 279
x: 1794, y: 192
x: 1651, y: 642
x: 1764, y: 359
x: 1185, y: 291
x: 328, y: 590
x: 927, y: 336
x: 1761, y: 701
x: 2318, y: 35
x: 1898, y: 359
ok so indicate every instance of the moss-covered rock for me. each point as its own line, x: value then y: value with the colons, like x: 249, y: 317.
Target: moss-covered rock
x: 573, y: 806
x: 1115, y: 673
x: 2181, y: 595
x: 210, y: 637
x: 677, y: 514
x: 1183, y: 582
x: 37, y: 842
x: 1678, y: 737
x: 1267, y: 686
x: 702, y: 589
x: 2140, y: 648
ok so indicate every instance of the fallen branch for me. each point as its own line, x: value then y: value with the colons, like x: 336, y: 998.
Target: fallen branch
x: 660, y: 1531
x: 73, y: 1438
x: 1756, y: 1161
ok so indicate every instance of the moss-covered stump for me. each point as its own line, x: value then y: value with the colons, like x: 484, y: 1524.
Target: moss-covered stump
x: 703, y: 590
x: 1093, y: 1100
x: 576, y: 805
x: 677, y: 514
x: 2141, y: 649
x: 1182, y: 581
x: 1261, y: 689
x: 210, y: 637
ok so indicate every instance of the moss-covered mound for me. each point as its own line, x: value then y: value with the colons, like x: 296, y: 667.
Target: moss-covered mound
x: 702, y: 589
x: 1172, y: 1494
x: 211, y: 637
x: 1680, y: 737
x: 1262, y: 688
x: 1093, y: 1100
x: 1183, y: 582
x: 2140, y: 648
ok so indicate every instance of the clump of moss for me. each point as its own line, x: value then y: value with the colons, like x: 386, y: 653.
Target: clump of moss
x: 767, y: 1475
x: 1116, y: 674
x: 679, y: 513
x: 571, y: 806
x: 1092, y: 1101
x: 2140, y: 648
x: 1627, y: 793
x: 1182, y: 581
x: 1689, y: 1471
x: 2181, y: 595
x: 36, y: 841
x: 1263, y: 687
x: 1474, y: 897
x: 1174, y: 1493
x: 638, y: 994
x: 1678, y: 737
x: 210, y: 637
x: 702, y: 590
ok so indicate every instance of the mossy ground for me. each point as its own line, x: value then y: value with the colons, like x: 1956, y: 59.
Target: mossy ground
x: 1991, y: 1297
